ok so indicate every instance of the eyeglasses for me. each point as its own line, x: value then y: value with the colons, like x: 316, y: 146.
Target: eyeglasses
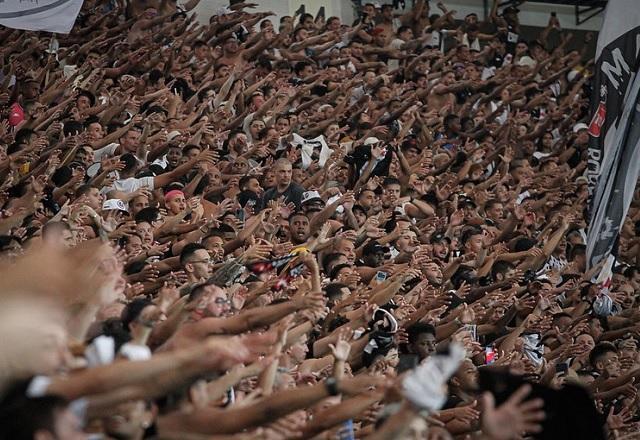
x: 221, y: 301
x: 206, y: 261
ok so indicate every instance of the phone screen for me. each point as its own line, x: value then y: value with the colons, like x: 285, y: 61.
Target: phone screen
x: 381, y: 276
x: 489, y: 355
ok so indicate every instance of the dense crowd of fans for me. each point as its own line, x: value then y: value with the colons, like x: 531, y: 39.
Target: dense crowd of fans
x: 300, y: 229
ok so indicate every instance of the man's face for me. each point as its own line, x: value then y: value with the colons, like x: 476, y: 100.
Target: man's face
x: 441, y: 249
x: 217, y: 302
x: 202, y: 52
x: 93, y: 199
x: 283, y: 175
x: 370, y: 10
x: 31, y: 90
x: 83, y: 103
x: 407, y: 241
x: 467, y: 375
x: 283, y: 126
x: 367, y: 199
x: 176, y: 204
x: 306, y: 71
x: 299, y: 228
x: 130, y: 141
x: 85, y: 156
x: 347, y: 248
x: 609, y: 364
x: 496, y: 212
x: 424, y: 345
x: 376, y: 259
x: 173, y: 156
x: 256, y: 126
x: 474, y: 244
x: 635, y: 280
x: 138, y: 204
x: 314, y: 206
x: 231, y: 46
x: 334, y: 24
x: 95, y: 131
x: 145, y: 231
x: 391, y: 194
x: 215, y: 178
x: 449, y: 79
x: 595, y: 328
x: 192, y: 153
x: 433, y: 273
x: 625, y: 295
x: 254, y: 185
x: 134, y: 245
x: 199, y: 265
x: 215, y: 247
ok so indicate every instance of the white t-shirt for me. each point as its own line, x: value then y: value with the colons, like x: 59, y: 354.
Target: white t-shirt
x: 131, y: 184
x: 396, y: 44
x: 135, y: 352
x: 104, y: 152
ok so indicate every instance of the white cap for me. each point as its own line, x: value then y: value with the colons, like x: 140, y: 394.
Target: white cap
x: 308, y: 196
x: 116, y: 204
x: 172, y: 135
x: 371, y: 141
x: 540, y: 155
x: 580, y: 126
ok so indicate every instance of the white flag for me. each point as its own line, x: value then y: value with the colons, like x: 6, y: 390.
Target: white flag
x: 307, y: 147
x: 42, y: 15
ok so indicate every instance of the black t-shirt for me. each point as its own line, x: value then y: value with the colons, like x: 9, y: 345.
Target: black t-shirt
x: 292, y: 194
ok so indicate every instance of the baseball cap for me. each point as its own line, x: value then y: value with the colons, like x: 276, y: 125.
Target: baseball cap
x: 311, y: 196
x: 371, y: 140
x: 510, y: 10
x: 437, y: 238
x: 114, y: 204
x: 373, y: 247
x: 466, y: 201
x: 580, y: 126
x: 172, y: 135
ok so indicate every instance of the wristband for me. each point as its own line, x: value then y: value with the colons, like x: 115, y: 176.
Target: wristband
x: 331, y: 384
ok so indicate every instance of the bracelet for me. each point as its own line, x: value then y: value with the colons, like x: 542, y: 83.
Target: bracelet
x: 331, y: 384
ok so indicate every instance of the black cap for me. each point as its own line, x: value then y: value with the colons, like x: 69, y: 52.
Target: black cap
x: 373, y: 247
x: 510, y: 10
x: 466, y: 201
x: 437, y: 238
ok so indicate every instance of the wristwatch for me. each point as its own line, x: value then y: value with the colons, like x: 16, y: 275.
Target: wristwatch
x: 331, y: 384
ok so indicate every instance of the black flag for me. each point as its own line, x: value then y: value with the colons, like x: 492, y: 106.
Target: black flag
x: 614, y: 131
